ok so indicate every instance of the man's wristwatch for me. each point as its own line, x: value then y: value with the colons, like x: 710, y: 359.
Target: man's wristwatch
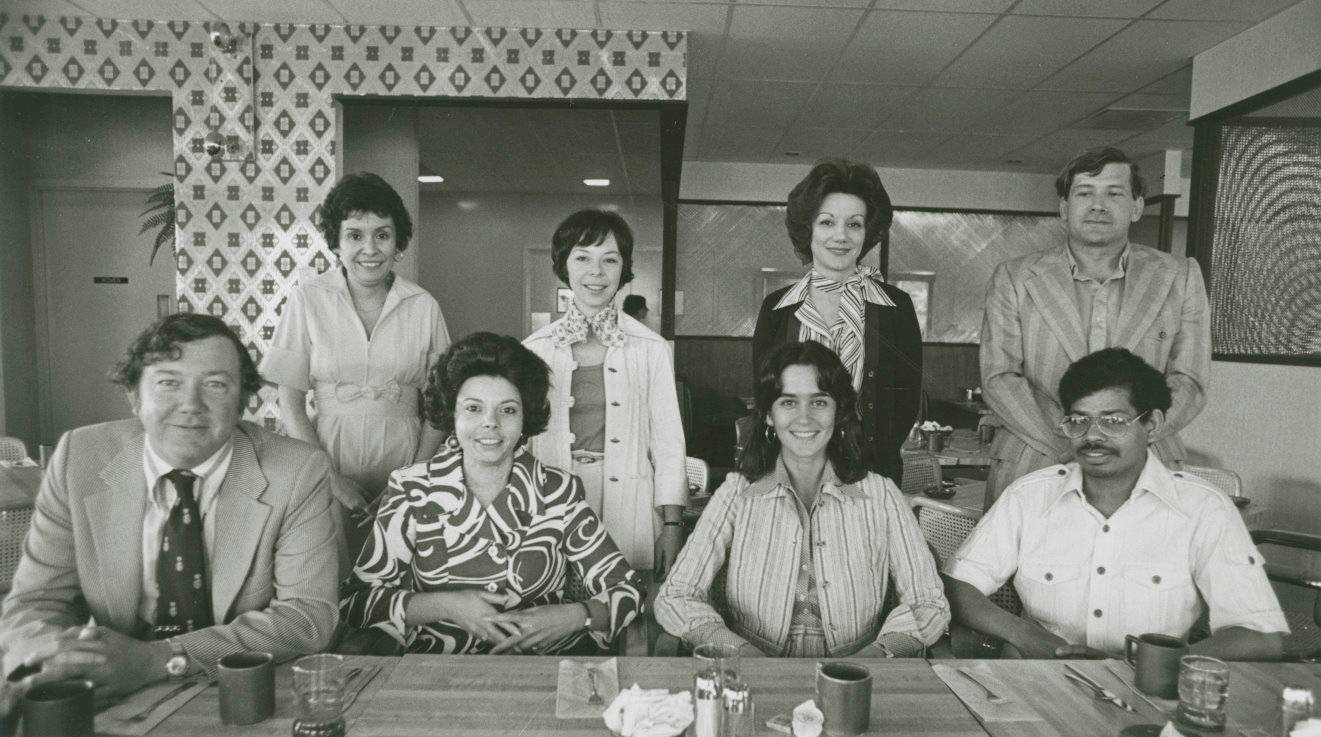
x: 177, y: 665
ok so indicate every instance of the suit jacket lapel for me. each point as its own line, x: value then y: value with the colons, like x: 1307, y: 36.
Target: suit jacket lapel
x: 119, y: 508
x: 240, y: 519
x: 1051, y: 287
x: 1146, y: 283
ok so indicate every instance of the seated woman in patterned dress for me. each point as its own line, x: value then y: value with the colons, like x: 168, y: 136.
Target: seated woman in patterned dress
x: 469, y: 550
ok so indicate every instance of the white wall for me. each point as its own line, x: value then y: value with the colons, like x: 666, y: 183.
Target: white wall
x: 971, y: 190
x: 471, y: 254
x: 1277, y: 50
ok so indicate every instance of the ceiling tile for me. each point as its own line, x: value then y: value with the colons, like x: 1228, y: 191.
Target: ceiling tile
x: 1178, y: 83
x: 768, y: 42
x: 1142, y: 53
x: 1176, y: 134
x: 856, y: 106
x: 704, y: 50
x: 532, y: 13
x: 723, y: 143
x: 1253, y: 11
x: 899, y: 48
x: 1075, y: 9
x: 951, y: 6
x: 401, y: 12
x: 699, y: 92
x: 1019, y: 52
x: 886, y: 147
x: 1144, y: 101
x: 663, y: 16
x: 735, y: 104
x: 171, y: 9
x: 264, y: 11
x: 815, y: 143
x: 56, y: 8
x: 1053, y: 151
x: 977, y: 151
x: 1039, y: 112
x: 809, y: 3
x: 940, y: 108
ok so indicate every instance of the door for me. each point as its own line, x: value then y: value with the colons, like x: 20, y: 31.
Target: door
x: 95, y: 292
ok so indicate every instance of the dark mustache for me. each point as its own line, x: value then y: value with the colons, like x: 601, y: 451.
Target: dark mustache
x: 1096, y: 446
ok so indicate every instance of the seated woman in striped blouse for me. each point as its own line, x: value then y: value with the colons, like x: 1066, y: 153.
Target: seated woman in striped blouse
x: 807, y: 541
x: 469, y: 550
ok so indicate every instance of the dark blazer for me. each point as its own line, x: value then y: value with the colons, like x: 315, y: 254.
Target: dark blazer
x: 892, y: 381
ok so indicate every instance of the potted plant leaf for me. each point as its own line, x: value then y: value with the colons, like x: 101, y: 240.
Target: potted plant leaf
x: 160, y: 216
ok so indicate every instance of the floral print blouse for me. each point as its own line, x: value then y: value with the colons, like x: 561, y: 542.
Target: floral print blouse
x: 432, y: 534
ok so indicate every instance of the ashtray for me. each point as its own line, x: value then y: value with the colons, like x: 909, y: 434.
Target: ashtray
x: 944, y: 491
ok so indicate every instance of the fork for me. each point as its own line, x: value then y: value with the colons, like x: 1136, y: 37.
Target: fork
x: 991, y: 696
x: 593, y: 698
x: 142, y: 716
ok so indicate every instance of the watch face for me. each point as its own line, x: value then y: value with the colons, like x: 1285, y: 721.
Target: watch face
x: 177, y: 665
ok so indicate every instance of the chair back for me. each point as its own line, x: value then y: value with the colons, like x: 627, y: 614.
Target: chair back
x: 12, y: 449
x: 743, y: 429
x: 13, y: 529
x: 945, y: 527
x: 1221, y: 478
x: 699, y: 475
x: 1292, y: 563
x: 921, y: 471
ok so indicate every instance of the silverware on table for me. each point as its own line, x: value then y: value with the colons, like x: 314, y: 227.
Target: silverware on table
x: 991, y: 696
x: 593, y: 698
x: 1120, y: 677
x: 146, y: 712
x: 1101, y: 693
x: 354, y: 689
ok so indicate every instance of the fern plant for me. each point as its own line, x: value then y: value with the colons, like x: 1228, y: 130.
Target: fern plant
x: 159, y: 216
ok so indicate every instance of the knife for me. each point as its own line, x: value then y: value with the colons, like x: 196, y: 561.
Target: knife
x: 1105, y: 693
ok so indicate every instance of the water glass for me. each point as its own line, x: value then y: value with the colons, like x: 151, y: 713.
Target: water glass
x: 1203, y: 691
x: 319, y: 696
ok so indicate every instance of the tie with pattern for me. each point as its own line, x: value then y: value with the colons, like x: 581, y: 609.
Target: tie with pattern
x: 185, y: 593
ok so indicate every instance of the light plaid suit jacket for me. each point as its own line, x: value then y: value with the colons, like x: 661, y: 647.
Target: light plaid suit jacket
x: 1032, y: 332
x: 274, y: 562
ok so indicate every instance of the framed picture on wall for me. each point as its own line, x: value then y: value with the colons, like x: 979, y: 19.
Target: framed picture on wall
x: 563, y: 296
x: 918, y: 286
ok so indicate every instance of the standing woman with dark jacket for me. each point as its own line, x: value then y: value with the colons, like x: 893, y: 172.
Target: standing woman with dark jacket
x: 835, y: 216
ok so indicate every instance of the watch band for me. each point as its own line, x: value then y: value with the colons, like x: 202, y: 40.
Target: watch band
x: 588, y: 624
x: 177, y: 665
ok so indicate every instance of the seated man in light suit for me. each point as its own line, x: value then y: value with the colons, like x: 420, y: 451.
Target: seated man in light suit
x: 115, y: 534
x: 1114, y: 543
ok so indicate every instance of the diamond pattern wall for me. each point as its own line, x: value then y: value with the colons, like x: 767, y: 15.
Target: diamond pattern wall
x: 246, y: 217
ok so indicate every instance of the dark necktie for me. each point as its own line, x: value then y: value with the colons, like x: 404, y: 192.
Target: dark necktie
x: 185, y: 593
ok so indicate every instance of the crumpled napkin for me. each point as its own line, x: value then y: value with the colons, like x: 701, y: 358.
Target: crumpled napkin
x: 1310, y: 727
x: 808, y: 720
x: 649, y: 712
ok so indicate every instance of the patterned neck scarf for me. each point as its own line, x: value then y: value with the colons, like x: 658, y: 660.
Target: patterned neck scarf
x: 574, y: 327
x: 845, y: 336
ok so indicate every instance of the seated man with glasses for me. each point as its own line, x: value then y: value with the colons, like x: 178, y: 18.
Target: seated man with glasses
x: 1114, y: 543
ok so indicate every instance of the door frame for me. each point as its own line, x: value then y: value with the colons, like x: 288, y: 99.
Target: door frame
x: 37, y: 203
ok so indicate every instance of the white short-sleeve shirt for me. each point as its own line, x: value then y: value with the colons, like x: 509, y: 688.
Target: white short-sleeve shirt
x: 1176, y: 547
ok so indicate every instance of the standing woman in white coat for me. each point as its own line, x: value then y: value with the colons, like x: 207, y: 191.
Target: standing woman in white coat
x: 614, y: 419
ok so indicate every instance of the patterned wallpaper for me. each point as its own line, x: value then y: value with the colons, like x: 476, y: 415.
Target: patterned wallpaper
x: 246, y: 217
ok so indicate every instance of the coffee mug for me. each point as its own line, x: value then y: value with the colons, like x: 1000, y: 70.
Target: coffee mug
x: 843, y: 694
x: 1155, y: 660
x: 247, y: 687
x: 60, y: 709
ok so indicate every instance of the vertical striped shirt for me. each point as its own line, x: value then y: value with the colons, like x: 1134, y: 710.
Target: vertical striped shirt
x: 865, y: 537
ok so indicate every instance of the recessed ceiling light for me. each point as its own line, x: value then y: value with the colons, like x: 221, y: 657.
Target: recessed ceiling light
x: 793, y: 153
x: 597, y: 182
x: 1014, y: 161
x: 429, y: 179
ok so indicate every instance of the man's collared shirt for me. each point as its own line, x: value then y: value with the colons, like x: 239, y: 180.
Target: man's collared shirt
x: 1147, y: 568
x: 1098, y: 303
x: 865, y: 539
x: 161, y: 497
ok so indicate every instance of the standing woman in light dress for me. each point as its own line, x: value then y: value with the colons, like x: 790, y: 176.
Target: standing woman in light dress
x: 614, y: 418
x: 361, y: 338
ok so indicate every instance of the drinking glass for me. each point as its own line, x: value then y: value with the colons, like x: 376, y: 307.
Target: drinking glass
x: 1203, y: 691
x: 319, y: 696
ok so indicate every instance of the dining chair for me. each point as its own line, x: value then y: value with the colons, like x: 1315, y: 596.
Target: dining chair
x: 12, y: 449
x: 1221, y: 478
x: 921, y: 471
x: 699, y: 475
x: 743, y: 428
x: 13, y: 529
x: 1292, y: 562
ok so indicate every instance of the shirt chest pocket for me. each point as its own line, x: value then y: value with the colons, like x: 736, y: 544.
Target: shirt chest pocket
x: 1048, y: 589
x: 1158, y: 598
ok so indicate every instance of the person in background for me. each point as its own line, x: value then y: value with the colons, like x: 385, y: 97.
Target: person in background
x: 808, y: 540
x: 469, y: 549
x: 1114, y: 543
x: 361, y: 339
x: 1096, y: 290
x: 835, y: 217
x: 615, y: 414
x: 635, y: 306
x: 184, y: 534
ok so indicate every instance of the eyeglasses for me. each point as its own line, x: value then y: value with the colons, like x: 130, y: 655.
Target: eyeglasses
x: 1111, y: 426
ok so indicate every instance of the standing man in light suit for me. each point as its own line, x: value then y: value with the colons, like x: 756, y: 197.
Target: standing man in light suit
x: 184, y: 535
x: 1048, y: 309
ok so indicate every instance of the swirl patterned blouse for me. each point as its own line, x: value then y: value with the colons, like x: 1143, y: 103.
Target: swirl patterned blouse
x: 432, y: 534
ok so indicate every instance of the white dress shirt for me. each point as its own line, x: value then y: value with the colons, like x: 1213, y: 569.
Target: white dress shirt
x: 161, y: 497
x: 1175, y: 543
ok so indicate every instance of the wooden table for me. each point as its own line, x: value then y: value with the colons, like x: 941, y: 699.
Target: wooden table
x: 963, y: 448
x: 1254, y: 697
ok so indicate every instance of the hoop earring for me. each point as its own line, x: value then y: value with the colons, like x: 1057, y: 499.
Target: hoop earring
x: 452, y: 442
x: 771, y: 437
